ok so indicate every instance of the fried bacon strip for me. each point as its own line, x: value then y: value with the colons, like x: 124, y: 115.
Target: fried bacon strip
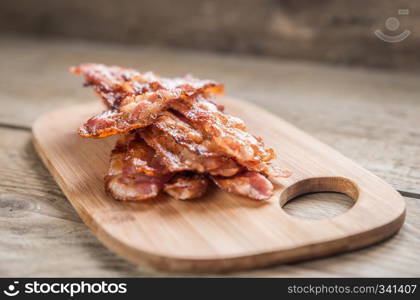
x: 249, y: 184
x: 134, y: 99
x: 134, y: 172
x: 114, y: 84
x: 226, y: 134
x: 178, y: 158
x: 185, y: 187
x: 135, y: 112
x: 141, y: 158
x: 111, y: 83
x: 182, y: 148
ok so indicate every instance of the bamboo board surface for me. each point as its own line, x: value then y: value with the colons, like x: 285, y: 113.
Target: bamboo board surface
x: 221, y: 232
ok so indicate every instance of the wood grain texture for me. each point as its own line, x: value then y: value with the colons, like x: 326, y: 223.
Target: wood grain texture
x: 370, y: 116
x: 221, y: 232
x: 42, y: 235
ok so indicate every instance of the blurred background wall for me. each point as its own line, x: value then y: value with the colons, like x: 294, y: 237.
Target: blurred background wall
x: 336, y: 31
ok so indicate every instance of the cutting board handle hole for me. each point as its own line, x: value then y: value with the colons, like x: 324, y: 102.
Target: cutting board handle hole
x: 319, y: 198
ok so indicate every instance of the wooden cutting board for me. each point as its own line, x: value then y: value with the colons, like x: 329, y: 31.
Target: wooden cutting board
x: 220, y: 232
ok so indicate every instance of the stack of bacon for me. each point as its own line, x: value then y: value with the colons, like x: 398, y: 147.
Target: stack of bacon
x: 173, y: 137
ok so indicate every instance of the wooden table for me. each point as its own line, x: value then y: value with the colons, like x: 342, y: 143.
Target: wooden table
x: 371, y: 116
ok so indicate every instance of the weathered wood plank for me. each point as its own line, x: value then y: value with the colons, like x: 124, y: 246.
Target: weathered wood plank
x: 43, y: 236
x: 370, y: 116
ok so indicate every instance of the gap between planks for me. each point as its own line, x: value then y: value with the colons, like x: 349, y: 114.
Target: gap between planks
x: 15, y: 127
x: 409, y: 194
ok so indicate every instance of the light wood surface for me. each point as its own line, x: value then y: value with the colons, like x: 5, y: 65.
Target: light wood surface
x: 221, y: 232
x: 371, y: 116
